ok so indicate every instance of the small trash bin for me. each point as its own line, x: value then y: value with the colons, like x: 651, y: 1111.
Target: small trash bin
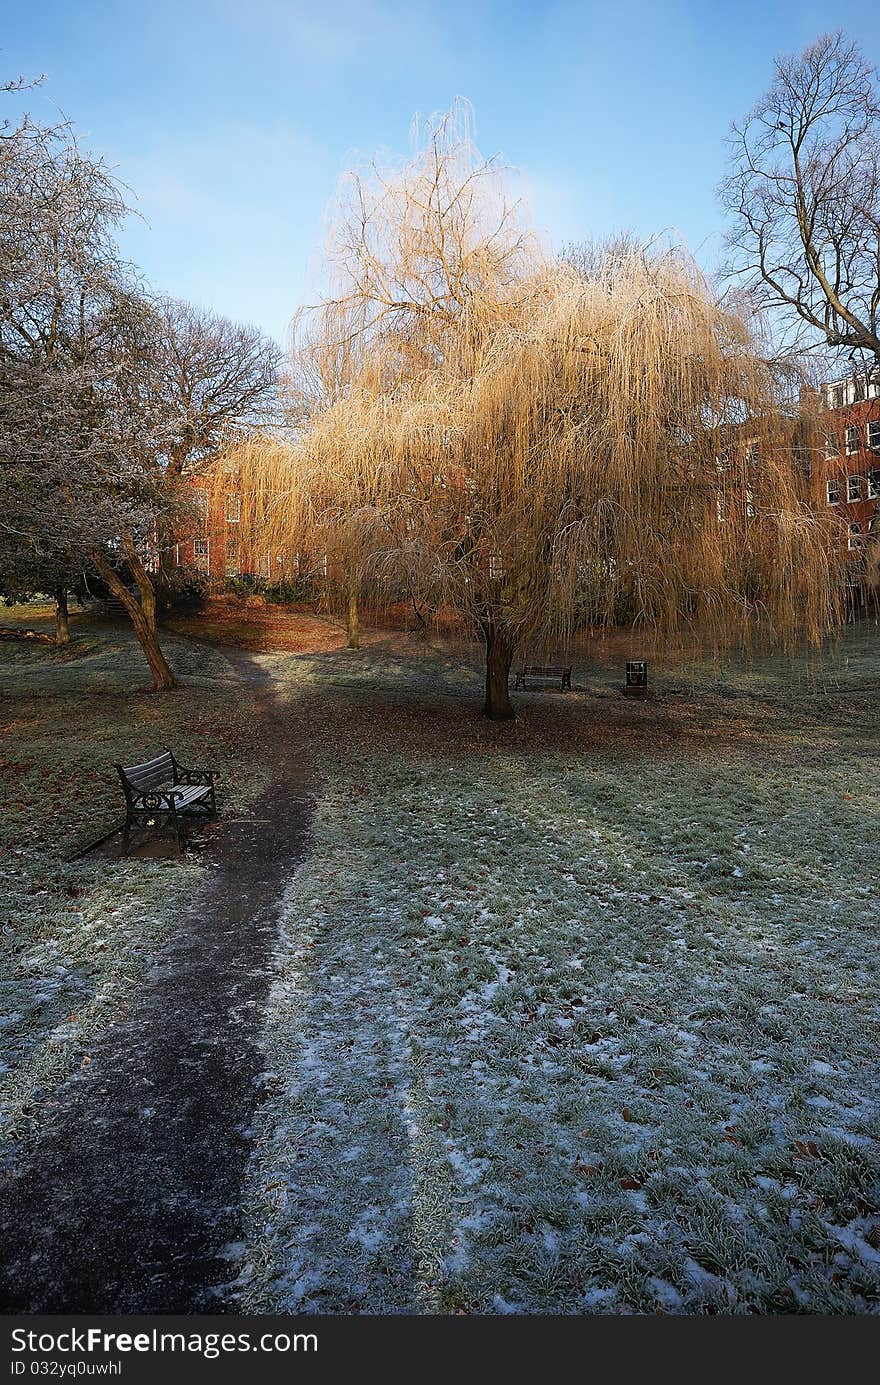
x: 636, y: 678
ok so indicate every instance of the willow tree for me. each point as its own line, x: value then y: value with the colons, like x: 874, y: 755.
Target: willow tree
x: 540, y: 446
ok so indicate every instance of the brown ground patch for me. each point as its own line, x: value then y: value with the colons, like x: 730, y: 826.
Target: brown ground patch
x: 255, y: 624
x: 260, y: 628
x: 693, y: 711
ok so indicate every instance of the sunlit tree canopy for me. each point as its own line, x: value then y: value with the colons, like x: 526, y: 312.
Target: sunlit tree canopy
x: 539, y: 444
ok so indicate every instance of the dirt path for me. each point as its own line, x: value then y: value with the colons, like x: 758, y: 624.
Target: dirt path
x: 127, y: 1200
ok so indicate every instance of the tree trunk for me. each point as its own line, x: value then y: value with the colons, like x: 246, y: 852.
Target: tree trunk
x: 354, y: 626
x: 62, y: 626
x: 145, y: 629
x: 142, y: 613
x: 499, y: 656
x: 420, y: 629
x: 166, y: 576
x: 164, y: 585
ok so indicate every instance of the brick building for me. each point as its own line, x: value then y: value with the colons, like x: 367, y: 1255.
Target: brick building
x: 847, y: 479
x: 850, y: 474
x: 211, y: 546
x: 216, y: 546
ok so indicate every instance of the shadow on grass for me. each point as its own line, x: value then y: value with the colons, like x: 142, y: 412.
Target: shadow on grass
x: 121, y: 1191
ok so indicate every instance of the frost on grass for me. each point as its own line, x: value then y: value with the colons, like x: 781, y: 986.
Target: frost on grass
x: 68, y: 968
x: 586, y: 1032
x: 75, y: 937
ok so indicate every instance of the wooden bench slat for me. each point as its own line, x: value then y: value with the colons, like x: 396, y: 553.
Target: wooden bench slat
x: 190, y: 793
x: 166, y: 758
x: 163, y: 763
x: 148, y: 781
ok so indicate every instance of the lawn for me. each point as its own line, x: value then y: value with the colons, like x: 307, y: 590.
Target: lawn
x: 75, y: 936
x: 580, y: 1014
x: 573, y: 1014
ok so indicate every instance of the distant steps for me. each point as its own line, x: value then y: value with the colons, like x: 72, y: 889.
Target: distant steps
x: 112, y: 607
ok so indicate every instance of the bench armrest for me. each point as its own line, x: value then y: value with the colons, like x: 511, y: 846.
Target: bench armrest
x: 195, y: 776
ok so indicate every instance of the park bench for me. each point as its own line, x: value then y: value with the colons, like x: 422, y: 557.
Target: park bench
x: 543, y: 674
x: 161, y: 793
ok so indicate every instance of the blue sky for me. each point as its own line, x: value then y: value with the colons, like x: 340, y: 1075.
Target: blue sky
x: 231, y: 123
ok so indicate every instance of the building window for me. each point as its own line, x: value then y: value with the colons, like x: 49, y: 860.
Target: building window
x: 202, y: 554
x: 833, y: 489
x: 750, y: 503
x: 853, y: 488
x: 753, y: 453
x: 496, y: 567
x: 231, y: 558
x: 854, y: 538
x: 324, y: 565
x: 874, y: 485
x: 831, y: 447
x: 200, y: 500
x: 836, y: 396
x: 874, y: 434
x: 852, y: 441
x: 233, y: 509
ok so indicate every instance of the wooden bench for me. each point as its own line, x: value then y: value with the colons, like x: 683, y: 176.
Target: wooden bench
x: 544, y: 673
x: 162, y: 793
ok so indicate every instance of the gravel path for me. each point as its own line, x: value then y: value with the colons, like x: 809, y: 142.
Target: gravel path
x: 127, y: 1199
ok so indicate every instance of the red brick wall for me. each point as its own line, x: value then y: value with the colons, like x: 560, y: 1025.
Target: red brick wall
x: 859, y: 463
x: 213, y: 532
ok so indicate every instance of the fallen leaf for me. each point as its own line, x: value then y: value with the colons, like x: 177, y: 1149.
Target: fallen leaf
x: 806, y: 1149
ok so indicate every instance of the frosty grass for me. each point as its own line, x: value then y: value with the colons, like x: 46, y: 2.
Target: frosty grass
x: 76, y: 937
x: 578, y: 1033
x: 562, y: 1027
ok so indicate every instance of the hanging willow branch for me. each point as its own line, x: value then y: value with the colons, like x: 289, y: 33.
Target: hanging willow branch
x: 539, y: 446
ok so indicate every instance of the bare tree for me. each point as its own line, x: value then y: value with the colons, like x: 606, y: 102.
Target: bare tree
x: 804, y: 191
x: 209, y: 380
x: 73, y: 485
x: 22, y: 83
x: 213, y: 376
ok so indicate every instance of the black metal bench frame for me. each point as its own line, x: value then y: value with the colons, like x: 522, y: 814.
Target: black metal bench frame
x: 545, y: 673
x: 158, y: 795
